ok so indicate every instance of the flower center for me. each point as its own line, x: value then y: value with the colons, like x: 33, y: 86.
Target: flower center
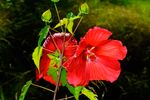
x: 90, y: 55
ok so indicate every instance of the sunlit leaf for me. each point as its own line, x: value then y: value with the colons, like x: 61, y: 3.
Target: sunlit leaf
x: 55, y: 60
x: 24, y: 90
x: 55, y: 0
x: 70, y: 26
x: 46, y: 16
x: 75, y: 17
x: 89, y: 94
x: 77, y: 92
x: 62, y: 22
x: 84, y: 9
x: 36, y: 55
x: 71, y: 16
x: 43, y: 33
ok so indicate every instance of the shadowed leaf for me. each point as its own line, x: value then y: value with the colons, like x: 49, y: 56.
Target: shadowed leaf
x: 24, y: 90
x: 43, y: 33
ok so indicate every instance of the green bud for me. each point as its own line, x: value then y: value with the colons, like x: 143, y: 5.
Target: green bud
x: 84, y: 9
x: 46, y: 16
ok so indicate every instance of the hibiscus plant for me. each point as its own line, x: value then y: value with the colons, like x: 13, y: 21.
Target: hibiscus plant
x: 62, y: 61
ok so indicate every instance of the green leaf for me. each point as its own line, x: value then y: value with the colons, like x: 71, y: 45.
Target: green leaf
x: 24, y: 90
x: 63, y: 78
x: 70, y: 88
x: 52, y: 71
x: 62, y: 22
x: 46, y: 16
x: 89, y: 94
x: 36, y: 55
x: 55, y: 0
x: 67, y: 22
x: 70, y: 26
x: 55, y: 60
x: 71, y: 16
x: 77, y: 92
x: 75, y: 17
x: 84, y: 9
x: 43, y: 33
x: 74, y: 90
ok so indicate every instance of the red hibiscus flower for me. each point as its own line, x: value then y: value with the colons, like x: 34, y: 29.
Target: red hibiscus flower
x: 49, y: 47
x: 96, y: 58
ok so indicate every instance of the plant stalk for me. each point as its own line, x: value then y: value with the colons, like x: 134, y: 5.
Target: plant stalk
x: 78, y: 24
x: 42, y: 87
x: 58, y: 16
x: 60, y: 70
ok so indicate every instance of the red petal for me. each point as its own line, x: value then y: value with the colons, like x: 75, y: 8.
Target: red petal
x: 82, y: 46
x: 112, y: 48
x: 96, y: 35
x: 103, y: 68
x: 44, y: 63
x: 49, y: 47
x: 76, y: 73
x: 70, y: 48
x: 58, y: 38
x: 69, y: 51
x: 49, y: 43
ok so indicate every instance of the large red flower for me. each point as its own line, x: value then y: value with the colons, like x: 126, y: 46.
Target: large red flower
x: 96, y: 58
x: 51, y: 45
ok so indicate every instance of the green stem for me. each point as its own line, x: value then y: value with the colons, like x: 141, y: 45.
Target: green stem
x: 66, y: 98
x: 54, y: 42
x: 54, y: 30
x: 42, y: 87
x: 76, y: 28
x: 78, y: 24
x: 58, y: 16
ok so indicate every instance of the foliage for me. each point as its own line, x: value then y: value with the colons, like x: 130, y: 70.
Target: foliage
x: 36, y: 56
x: 89, y: 94
x: 24, y: 90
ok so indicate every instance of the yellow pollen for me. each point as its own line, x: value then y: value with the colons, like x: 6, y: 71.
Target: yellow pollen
x: 92, y: 48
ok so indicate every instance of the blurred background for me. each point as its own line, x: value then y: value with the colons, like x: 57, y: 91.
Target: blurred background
x: 128, y: 20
